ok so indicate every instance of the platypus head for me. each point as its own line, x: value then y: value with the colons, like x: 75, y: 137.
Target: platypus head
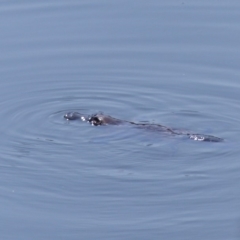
x: 101, y: 119
x: 96, y: 120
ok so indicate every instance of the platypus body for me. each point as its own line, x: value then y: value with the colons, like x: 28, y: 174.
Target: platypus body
x: 102, y: 119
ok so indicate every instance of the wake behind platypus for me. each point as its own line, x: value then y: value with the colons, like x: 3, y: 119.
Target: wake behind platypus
x: 102, y: 119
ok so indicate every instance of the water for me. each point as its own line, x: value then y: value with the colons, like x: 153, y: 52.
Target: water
x: 170, y: 62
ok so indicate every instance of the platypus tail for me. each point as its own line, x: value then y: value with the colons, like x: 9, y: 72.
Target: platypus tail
x: 205, y: 138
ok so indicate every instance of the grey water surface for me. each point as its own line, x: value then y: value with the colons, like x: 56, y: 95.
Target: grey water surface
x: 175, y: 63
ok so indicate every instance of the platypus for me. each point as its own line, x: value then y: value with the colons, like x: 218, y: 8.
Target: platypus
x: 102, y: 119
